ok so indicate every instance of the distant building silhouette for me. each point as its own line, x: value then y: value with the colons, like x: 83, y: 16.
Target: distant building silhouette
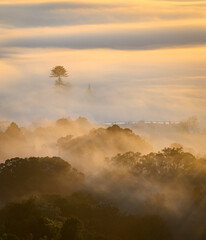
x: 142, y: 122
x: 89, y: 89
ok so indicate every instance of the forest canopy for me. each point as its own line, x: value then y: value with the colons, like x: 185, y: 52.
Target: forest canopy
x: 105, y: 183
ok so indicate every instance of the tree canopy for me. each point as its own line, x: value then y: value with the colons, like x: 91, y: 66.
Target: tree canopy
x: 25, y: 177
x: 59, y: 71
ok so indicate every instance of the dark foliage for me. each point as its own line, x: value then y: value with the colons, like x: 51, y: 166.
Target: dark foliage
x: 32, y: 219
x: 30, y: 176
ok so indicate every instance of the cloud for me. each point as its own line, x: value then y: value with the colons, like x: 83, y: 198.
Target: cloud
x: 150, y: 85
x: 9, y: 73
x: 125, y: 39
x: 164, y: 84
x: 114, y: 103
x: 4, y: 53
x: 54, y: 14
x: 74, y: 13
x: 186, y: 1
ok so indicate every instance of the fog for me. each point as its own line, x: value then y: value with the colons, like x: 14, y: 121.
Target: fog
x: 102, y: 120
x: 127, y: 169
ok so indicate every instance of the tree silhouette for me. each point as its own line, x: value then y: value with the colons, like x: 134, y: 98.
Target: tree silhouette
x: 59, y: 71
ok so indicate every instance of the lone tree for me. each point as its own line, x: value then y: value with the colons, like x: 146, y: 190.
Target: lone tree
x: 59, y: 71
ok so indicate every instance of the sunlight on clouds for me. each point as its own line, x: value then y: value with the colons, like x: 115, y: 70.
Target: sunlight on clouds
x: 162, y: 83
x: 9, y: 73
x: 48, y: 1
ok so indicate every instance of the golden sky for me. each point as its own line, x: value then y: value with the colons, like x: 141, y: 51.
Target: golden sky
x: 145, y: 59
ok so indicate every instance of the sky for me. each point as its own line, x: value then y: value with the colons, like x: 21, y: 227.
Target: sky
x: 144, y: 59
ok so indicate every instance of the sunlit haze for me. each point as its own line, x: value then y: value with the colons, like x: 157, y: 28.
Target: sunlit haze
x: 102, y: 120
x: 143, y: 59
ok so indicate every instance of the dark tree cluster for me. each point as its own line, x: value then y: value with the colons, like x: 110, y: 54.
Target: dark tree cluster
x: 136, y: 195
x: 174, y: 175
x: 170, y: 163
x: 20, y: 178
x: 78, y: 217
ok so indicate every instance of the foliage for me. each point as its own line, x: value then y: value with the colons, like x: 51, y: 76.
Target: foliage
x: 25, y: 177
x: 101, y: 143
x: 29, y: 220
x: 26, y: 219
x: 167, y: 164
x: 162, y: 191
x: 59, y: 71
x: 72, y: 229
